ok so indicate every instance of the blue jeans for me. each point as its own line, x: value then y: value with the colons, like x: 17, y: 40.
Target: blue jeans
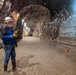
x: 9, y: 52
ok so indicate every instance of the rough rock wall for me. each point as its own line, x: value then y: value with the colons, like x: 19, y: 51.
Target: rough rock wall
x: 68, y: 27
x: 68, y: 31
x: 5, y: 7
x: 51, y: 29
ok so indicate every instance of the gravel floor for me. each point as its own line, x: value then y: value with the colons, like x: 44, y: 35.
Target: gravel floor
x: 37, y: 57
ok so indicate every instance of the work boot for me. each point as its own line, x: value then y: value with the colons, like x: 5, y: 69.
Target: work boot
x: 14, y: 66
x: 5, y: 68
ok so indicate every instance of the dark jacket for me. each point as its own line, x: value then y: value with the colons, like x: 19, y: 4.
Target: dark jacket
x: 7, y: 39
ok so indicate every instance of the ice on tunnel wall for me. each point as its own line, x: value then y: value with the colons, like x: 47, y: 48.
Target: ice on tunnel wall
x: 68, y: 27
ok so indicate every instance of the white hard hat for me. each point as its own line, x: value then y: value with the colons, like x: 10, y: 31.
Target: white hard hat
x: 8, y: 19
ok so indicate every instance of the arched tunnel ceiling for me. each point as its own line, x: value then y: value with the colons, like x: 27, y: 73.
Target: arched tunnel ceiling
x: 53, y: 5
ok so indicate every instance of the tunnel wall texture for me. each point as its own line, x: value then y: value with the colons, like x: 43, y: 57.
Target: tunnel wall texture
x: 69, y: 26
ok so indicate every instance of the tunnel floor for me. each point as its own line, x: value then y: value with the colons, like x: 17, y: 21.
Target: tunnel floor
x: 39, y: 57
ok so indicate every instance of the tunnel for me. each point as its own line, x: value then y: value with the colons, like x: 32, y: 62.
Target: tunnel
x: 46, y: 19
x: 46, y: 37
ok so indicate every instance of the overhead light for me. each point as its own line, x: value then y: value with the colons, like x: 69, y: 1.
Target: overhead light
x: 25, y: 24
x: 22, y: 21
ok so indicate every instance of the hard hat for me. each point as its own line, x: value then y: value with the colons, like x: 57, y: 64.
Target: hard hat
x: 8, y: 19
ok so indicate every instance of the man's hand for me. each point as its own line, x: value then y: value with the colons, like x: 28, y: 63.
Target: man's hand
x: 15, y: 34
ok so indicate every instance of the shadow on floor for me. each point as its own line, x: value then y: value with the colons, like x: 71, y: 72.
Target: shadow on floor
x: 24, y: 61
